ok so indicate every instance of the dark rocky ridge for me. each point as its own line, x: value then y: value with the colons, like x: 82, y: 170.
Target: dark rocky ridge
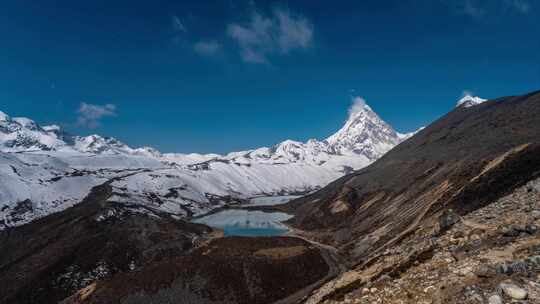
x: 49, y: 259
x: 226, y: 270
x: 463, y: 161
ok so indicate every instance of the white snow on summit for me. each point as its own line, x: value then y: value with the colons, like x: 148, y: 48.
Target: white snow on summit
x: 469, y: 101
x: 364, y: 133
x: 23, y: 134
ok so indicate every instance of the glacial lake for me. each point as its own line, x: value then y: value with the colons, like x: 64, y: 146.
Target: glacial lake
x: 243, y: 222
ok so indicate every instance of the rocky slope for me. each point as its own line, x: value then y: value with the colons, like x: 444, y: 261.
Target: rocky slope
x: 491, y: 255
x: 396, y: 221
x: 45, y: 170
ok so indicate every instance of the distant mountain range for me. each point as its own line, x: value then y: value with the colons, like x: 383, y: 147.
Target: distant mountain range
x: 44, y: 169
x: 364, y: 134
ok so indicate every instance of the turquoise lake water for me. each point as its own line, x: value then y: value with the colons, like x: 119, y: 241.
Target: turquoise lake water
x: 246, y: 222
x: 239, y: 231
x: 242, y: 222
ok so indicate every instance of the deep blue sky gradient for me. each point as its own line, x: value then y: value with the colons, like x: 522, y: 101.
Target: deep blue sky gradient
x: 411, y: 60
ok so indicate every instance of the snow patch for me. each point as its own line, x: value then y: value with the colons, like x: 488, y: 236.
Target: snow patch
x: 469, y: 101
x: 3, y: 116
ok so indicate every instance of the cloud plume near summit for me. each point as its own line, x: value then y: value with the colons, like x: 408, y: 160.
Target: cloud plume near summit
x: 358, y: 104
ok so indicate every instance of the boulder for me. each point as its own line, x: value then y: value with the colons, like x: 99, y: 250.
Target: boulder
x: 485, y: 271
x: 513, y: 291
x: 448, y: 219
x: 495, y: 299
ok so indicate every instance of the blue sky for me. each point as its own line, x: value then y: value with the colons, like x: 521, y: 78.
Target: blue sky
x: 219, y: 76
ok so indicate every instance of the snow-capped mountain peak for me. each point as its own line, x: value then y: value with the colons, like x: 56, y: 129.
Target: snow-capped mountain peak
x: 23, y: 134
x: 364, y: 133
x: 96, y: 144
x: 20, y: 134
x: 468, y: 101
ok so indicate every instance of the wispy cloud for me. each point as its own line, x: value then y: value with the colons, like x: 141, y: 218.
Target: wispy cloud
x: 471, y: 8
x: 467, y: 93
x: 204, y: 47
x: 90, y: 115
x: 207, y: 48
x: 293, y: 32
x: 279, y: 33
x: 178, y: 25
x: 521, y: 6
x: 480, y: 9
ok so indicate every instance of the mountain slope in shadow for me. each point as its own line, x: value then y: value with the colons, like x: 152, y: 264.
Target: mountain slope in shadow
x: 466, y: 159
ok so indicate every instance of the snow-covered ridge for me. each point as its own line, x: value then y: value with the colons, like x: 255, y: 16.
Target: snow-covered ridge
x: 364, y: 134
x: 45, y: 170
x: 469, y: 101
x: 20, y: 134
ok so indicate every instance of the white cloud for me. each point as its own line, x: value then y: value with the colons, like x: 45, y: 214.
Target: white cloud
x: 358, y: 104
x: 90, y: 115
x: 178, y: 26
x: 262, y: 36
x: 207, y: 48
